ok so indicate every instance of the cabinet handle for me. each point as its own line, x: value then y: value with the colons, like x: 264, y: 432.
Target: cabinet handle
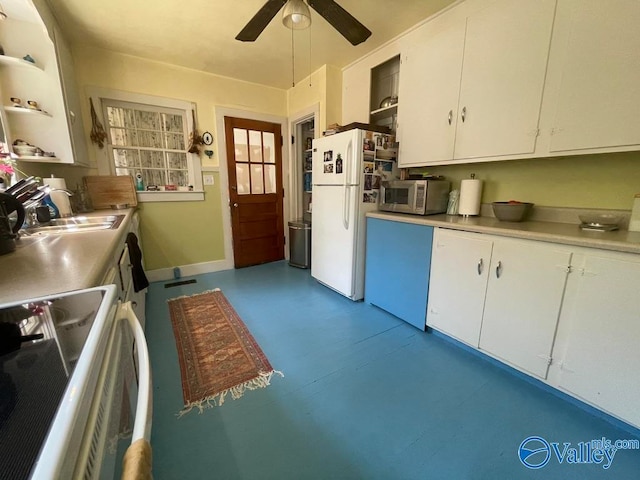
x: 464, y: 113
x: 72, y: 117
x: 499, y: 270
x: 480, y: 265
x: 450, y: 116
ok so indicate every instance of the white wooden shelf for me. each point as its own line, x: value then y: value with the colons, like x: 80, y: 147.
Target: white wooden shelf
x: 18, y: 62
x: 27, y: 111
x: 38, y: 158
x: 384, y: 112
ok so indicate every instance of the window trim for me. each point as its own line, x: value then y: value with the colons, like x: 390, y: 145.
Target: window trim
x: 106, y: 165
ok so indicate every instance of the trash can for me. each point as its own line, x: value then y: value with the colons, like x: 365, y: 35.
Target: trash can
x: 300, y: 244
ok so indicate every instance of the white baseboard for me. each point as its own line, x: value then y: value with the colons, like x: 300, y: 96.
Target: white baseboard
x: 162, y: 274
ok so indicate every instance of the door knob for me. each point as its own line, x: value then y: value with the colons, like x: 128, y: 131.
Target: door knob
x: 235, y: 205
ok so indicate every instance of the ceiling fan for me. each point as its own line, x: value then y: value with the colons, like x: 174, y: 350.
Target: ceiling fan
x: 338, y: 17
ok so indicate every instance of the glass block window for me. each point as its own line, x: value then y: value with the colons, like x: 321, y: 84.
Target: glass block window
x: 148, y: 140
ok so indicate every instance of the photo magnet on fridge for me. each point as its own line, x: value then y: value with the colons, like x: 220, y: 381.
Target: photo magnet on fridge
x: 368, y: 167
x: 367, y: 182
x: 328, y: 156
x: 338, y: 164
x: 328, y: 168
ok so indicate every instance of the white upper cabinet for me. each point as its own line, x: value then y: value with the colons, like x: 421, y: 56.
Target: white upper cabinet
x: 505, y: 60
x: 429, y: 89
x: 595, y: 69
x: 56, y: 125
x: 472, y: 87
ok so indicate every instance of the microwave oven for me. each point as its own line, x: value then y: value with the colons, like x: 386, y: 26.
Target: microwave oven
x: 418, y: 197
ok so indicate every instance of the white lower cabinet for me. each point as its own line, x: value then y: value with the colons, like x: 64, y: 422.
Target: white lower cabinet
x: 499, y: 294
x: 459, y: 274
x: 522, y: 306
x: 601, y: 355
x: 569, y: 316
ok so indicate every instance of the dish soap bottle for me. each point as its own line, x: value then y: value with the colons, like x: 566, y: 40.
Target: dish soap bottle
x: 53, y: 210
x: 139, y: 182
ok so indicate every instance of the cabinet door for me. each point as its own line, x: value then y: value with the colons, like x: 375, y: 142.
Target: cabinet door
x: 597, y: 104
x: 505, y: 59
x: 524, y: 295
x: 428, y: 98
x: 398, y: 260
x: 603, y: 354
x: 459, y: 273
x: 71, y: 99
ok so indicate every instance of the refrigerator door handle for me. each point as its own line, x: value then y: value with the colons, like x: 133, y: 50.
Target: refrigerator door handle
x: 346, y: 205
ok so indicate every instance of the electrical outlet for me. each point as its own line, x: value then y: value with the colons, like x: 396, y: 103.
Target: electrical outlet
x: 208, y: 179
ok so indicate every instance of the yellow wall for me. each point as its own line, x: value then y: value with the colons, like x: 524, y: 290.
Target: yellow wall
x: 324, y: 88
x: 179, y: 233
x: 584, y: 181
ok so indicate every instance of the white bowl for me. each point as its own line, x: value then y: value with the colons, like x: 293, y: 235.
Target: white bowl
x: 601, y: 219
x: 23, y: 150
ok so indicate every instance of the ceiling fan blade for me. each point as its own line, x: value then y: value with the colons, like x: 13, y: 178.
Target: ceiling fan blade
x: 260, y: 20
x: 341, y: 20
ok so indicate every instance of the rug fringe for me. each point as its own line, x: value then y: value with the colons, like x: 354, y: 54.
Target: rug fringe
x: 193, y: 295
x: 263, y: 380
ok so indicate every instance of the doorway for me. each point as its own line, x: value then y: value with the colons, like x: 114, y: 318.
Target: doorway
x: 254, y: 165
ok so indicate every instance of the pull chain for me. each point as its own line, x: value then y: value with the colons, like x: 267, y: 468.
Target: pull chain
x: 293, y: 62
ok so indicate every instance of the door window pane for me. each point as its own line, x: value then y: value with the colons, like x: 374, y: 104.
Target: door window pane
x: 257, y: 184
x: 240, y: 145
x: 125, y: 157
x: 269, y: 179
x: 269, y: 147
x: 242, y: 178
x: 255, y: 141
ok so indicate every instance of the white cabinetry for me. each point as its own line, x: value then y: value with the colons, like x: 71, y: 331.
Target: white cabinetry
x: 595, y: 66
x: 602, y: 314
x: 429, y: 89
x: 25, y: 32
x: 522, y: 306
x: 501, y: 295
x: 459, y: 273
x: 495, y: 112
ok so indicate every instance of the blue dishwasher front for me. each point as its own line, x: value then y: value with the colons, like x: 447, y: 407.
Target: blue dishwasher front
x: 398, y: 261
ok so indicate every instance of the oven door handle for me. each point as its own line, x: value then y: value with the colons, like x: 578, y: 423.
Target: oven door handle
x: 144, y: 406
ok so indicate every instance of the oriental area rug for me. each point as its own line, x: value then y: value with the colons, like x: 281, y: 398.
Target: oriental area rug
x: 218, y: 356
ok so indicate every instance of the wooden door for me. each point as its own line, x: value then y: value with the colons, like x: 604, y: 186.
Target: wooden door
x: 254, y: 160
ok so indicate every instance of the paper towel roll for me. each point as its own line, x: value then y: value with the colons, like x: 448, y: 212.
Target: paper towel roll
x: 470, y: 194
x: 61, y: 199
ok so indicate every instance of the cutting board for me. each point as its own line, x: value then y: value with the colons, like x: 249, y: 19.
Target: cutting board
x: 108, y: 190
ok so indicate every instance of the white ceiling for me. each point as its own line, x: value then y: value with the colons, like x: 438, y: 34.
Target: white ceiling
x: 200, y: 34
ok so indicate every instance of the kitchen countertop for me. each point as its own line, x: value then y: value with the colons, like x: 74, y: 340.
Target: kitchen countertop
x: 51, y: 264
x: 564, y: 233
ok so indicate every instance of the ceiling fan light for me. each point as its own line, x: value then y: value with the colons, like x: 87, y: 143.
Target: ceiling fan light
x: 296, y: 15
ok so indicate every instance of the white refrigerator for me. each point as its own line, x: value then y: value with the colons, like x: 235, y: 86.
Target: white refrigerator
x: 348, y: 168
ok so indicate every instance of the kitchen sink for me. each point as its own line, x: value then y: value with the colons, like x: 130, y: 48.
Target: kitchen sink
x: 76, y: 224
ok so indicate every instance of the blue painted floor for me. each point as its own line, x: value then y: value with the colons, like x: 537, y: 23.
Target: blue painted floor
x: 365, y: 396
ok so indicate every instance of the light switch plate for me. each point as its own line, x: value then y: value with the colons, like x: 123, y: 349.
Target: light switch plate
x: 207, y: 179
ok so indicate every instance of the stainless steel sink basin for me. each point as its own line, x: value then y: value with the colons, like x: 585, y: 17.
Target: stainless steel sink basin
x: 76, y: 224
